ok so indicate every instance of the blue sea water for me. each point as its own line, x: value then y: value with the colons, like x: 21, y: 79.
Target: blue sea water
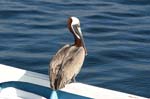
x: 116, y: 33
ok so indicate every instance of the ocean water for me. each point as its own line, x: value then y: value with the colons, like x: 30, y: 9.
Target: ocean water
x: 116, y: 33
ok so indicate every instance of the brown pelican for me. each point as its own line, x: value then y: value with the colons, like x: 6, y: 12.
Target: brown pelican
x: 67, y: 62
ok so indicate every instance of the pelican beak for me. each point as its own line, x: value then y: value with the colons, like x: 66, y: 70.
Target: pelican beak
x: 78, y: 31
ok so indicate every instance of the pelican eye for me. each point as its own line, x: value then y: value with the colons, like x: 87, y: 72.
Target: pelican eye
x: 77, y: 25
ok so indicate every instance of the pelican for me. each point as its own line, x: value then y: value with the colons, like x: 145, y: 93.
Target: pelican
x: 67, y: 62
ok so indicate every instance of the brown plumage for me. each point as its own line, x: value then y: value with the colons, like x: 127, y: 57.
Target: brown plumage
x: 67, y: 62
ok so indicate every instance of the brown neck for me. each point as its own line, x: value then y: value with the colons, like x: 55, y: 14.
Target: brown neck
x: 77, y: 42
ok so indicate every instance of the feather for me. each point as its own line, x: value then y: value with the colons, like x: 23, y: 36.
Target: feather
x: 65, y: 65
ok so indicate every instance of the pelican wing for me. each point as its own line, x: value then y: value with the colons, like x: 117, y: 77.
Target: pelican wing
x: 71, y: 66
x: 55, y: 64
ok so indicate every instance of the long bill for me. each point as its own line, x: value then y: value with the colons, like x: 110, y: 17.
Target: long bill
x: 78, y: 33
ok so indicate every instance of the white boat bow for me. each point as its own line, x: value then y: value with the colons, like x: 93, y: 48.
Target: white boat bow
x: 10, y: 75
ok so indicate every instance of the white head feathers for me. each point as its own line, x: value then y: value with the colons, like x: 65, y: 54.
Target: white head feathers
x: 75, y: 20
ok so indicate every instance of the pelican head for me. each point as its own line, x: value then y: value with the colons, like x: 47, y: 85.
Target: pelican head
x: 74, y: 27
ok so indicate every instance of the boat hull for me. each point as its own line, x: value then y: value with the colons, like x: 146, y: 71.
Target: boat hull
x: 36, y: 86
